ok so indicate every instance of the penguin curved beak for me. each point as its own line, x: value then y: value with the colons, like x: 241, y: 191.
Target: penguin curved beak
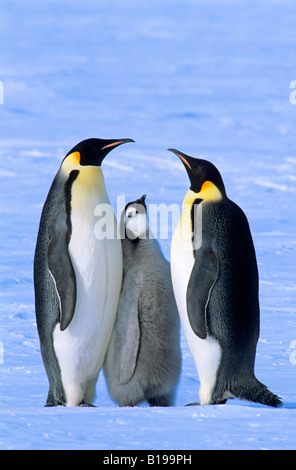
x: 183, y: 157
x: 115, y: 142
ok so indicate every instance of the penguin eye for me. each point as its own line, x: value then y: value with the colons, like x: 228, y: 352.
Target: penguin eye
x: 196, y: 169
x: 132, y: 213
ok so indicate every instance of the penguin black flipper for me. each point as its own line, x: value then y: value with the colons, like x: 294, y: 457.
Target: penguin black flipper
x: 62, y: 271
x: 203, y: 276
x: 53, y: 269
x: 59, y: 261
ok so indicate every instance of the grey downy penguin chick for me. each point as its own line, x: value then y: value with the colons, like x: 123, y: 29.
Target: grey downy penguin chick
x: 143, y: 360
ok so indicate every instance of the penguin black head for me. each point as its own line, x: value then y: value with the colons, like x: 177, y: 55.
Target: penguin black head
x: 201, y: 172
x: 93, y: 151
x: 142, y: 208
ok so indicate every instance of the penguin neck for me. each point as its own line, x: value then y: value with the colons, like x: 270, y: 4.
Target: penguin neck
x: 184, y: 222
x: 139, y: 247
x: 88, y: 185
x: 189, y: 198
x: 208, y: 192
x: 90, y: 176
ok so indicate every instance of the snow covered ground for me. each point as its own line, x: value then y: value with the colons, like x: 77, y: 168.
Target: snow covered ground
x: 208, y: 77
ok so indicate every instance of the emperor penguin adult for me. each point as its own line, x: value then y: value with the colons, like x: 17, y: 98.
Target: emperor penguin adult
x: 143, y: 360
x: 77, y: 276
x: 215, y: 281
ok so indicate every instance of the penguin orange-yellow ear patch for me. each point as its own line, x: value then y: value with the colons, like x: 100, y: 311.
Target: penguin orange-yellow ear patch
x: 210, y: 192
x: 206, y: 186
x: 71, y: 162
x: 76, y: 156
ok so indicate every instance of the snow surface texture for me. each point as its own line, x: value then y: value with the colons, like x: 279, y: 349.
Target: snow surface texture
x: 207, y: 77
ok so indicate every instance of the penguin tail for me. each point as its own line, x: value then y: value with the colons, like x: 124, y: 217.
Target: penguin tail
x: 255, y: 391
x: 249, y: 389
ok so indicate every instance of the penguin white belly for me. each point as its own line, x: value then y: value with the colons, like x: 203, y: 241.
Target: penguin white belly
x: 206, y: 353
x: 81, y: 348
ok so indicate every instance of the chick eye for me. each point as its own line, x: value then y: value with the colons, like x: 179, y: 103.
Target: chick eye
x: 132, y: 213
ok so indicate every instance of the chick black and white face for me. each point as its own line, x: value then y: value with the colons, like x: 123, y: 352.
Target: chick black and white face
x: 135, y: 220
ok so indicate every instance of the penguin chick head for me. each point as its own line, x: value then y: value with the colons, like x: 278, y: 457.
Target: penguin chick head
x: 93, y: 151
x: 134, y: 219
x: 204, y: 177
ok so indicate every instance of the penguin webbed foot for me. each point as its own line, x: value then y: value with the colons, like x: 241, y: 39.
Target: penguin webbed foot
x: 220, y: 402
x: 89, y: 405
x: 82, y: 404
x: 50, y: 403
x: 163, y: 400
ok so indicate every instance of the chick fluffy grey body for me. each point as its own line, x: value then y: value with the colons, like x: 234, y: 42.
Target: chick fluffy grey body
x: 143, y: 360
